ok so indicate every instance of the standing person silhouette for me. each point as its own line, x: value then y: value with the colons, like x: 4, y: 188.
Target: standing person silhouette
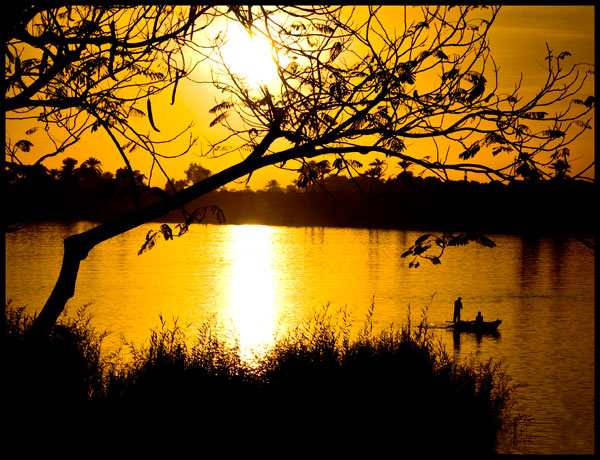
x: 457, y: 308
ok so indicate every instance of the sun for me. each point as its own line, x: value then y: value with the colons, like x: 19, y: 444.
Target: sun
x: 251, y: 57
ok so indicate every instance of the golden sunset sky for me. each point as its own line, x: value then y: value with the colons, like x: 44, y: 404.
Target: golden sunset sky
x: 518, y: 42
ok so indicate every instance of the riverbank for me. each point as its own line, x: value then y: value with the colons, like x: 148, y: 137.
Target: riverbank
x: 316, y: 389
x: 405, y: 202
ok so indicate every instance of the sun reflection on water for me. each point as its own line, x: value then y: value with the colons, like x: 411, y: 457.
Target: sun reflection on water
x: 252, y: 307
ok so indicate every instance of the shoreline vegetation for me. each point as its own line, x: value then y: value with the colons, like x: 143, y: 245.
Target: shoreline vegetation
x: 319, y: 388
x: 403, y: 201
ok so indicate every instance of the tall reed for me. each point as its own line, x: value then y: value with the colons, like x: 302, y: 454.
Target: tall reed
x: 321, y: 385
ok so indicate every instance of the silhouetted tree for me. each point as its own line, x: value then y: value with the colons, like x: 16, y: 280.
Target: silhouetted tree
x: 93, y: 164
x: 193, y: 174
x: 347, y: 86
x: 560, y: 163
x: 90, y: 173
x: 176, y: 185
x: 67, y: 171
x: 273, y: 186
x: 53, y: 174
x: 78, y: 69
x: 405, y: 165
x: 377, y: 169
x: 196, y: 173
x: 352, y: 89
x: 123, y: 174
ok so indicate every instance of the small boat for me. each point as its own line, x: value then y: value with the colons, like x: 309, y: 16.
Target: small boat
x: 472, y: 326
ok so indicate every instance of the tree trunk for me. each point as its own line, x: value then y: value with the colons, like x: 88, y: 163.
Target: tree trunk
x: 64, y: 288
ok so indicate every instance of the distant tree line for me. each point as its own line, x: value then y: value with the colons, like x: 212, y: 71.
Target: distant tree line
x: 411, y: 202
x: 72, y: 192
x: 316, y: 198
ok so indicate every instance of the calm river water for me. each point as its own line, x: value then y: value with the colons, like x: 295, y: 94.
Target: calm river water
x: 260, y: 280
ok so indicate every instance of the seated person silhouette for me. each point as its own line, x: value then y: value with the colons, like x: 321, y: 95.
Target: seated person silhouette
x: 479, y: 319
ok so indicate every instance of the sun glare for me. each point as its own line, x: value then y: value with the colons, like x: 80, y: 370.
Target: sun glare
x: 252, y: 289
x: 249, y: 56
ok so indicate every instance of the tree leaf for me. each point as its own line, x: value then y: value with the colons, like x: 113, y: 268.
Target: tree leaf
x: 494, y: 138
x: 441, y: 55
x: 450, y: 75
x: 553, y: 133
x: 24, y: 145
x: 136, y: 112
x: 501, y: 149
x: 292, y: 67
x: 336, y: 49
x: 484, y: 240
x: 418, y: 250
x: 421, y: 239
x: 150, y: 116
x: 177, y: 77
x: 470, y: 152
x: 149, y: 243
x: 219, y: 118
x: 404, y: 74
x: 166, y: 231
x: 220, y: 107
x: 536, y: 115
x: 477, y: 90
x: 582, y: 124
x: 463, y: 239
x: 563, y: 55
x: 183, y: 228
x: 218, y: 213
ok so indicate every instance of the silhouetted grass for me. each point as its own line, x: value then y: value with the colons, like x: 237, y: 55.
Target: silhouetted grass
x: 319, y: 388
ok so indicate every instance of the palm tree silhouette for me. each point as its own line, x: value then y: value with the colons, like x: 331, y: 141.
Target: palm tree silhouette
x: 378, y: 168
x: 90, y: 172
x: 68, y: 168
x: 93, y: 164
